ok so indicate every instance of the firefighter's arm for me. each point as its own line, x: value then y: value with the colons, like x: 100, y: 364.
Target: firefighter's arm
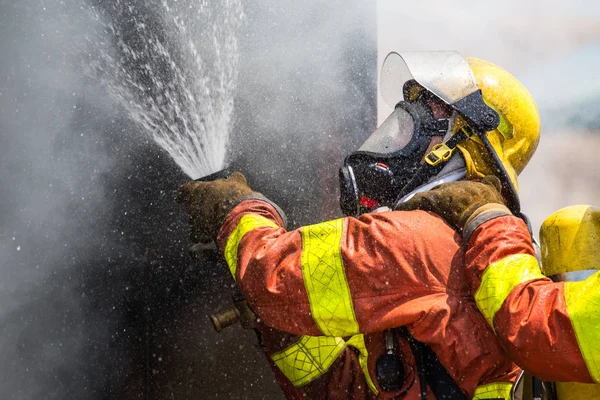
x: 264, y: 260
x: 547, y: 328
x: 322, y: 279
x: 295, y: 281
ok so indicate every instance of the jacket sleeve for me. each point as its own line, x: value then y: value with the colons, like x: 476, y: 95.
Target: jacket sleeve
x: 327, y: 278
x: 341, y: 279
x: 548, y: 328
x: 263, y: 258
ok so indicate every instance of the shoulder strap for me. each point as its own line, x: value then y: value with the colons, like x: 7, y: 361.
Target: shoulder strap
x: 431, y: 372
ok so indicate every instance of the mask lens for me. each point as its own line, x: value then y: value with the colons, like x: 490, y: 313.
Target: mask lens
x: 393, y: 135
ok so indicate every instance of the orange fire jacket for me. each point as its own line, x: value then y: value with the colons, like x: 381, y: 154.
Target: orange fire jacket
x: 325, y: 294
x: 551, y: 329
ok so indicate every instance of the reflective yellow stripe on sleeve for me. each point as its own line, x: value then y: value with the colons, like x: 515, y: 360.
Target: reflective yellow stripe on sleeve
x: 247, y: 223
x: 331, y: 308
x: 498, y: 390
x: 325, y: 279
x: 583, y: 305
x: 500, y: 278
x: 358, y: 342
x: 311, y: 357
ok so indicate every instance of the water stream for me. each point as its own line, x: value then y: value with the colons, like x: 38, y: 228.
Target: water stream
x: 172, y: 66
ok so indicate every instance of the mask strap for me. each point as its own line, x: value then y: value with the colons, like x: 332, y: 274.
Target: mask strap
x: 443, y: 151
x: 435, y: 159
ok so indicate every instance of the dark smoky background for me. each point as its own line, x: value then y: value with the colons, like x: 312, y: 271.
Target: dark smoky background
x: 98, y: 296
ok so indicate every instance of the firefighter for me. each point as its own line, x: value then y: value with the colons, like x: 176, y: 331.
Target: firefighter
x: 569, y: 242
x: 549, y: 328
x: 379, y: 304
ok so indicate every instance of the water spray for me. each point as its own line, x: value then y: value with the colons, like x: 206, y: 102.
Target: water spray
x: 240, y: 311
x: 173, y: 69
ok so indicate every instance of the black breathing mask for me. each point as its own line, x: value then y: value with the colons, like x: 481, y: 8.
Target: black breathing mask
x: 373, y: 176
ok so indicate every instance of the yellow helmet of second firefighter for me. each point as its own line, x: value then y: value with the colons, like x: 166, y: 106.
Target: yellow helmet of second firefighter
x: 569, y: 240
x: 518, y: 134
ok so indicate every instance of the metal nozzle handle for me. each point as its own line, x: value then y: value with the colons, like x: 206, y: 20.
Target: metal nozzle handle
x: 225, y: 318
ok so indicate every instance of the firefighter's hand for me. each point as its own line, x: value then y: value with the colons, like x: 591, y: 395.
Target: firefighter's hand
x: 458, y: 202
x: 207, y: 204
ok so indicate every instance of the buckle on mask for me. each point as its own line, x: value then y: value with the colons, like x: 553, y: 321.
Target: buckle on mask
x: 443, y: 151
x: 439, y: 153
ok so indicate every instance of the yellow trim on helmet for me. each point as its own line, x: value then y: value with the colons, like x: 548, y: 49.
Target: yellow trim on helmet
x: 247, y: 223
x: 500, y: 278
x: 325, y: 279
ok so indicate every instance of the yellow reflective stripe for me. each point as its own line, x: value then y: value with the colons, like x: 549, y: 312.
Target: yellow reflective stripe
x: 312, y: 356
x: 309, y: 358
x: 500, y: 278
x: 358, y: 342
x: 325, y: 279
x: 247, y: 223
x: 583, y: 305
x: 499, y: 390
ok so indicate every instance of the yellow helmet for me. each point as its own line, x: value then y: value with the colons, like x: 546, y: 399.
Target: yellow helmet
x: 497, y: 124
x: 577, y: 391
x: 570, y: 240
x: 518, y: 134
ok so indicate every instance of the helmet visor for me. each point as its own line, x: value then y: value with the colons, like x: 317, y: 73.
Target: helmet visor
x: 446, y: 74
x: 394, y: 134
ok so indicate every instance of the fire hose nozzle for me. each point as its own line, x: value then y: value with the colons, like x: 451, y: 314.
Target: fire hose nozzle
x: 222, y: 174
x: 241, y: 312
x: 225, y: 318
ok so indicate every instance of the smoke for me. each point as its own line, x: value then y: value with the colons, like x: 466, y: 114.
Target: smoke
x: 85, y: 210
x: 40, y: 312
x: 173, y: 67
x: 306, y: 99
x: 98, y: 298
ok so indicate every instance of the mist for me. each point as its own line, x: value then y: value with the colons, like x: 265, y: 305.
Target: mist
x: 84, y: 215
x: 98, y: 296
x: 48, y: 213
x: 307, y: 87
